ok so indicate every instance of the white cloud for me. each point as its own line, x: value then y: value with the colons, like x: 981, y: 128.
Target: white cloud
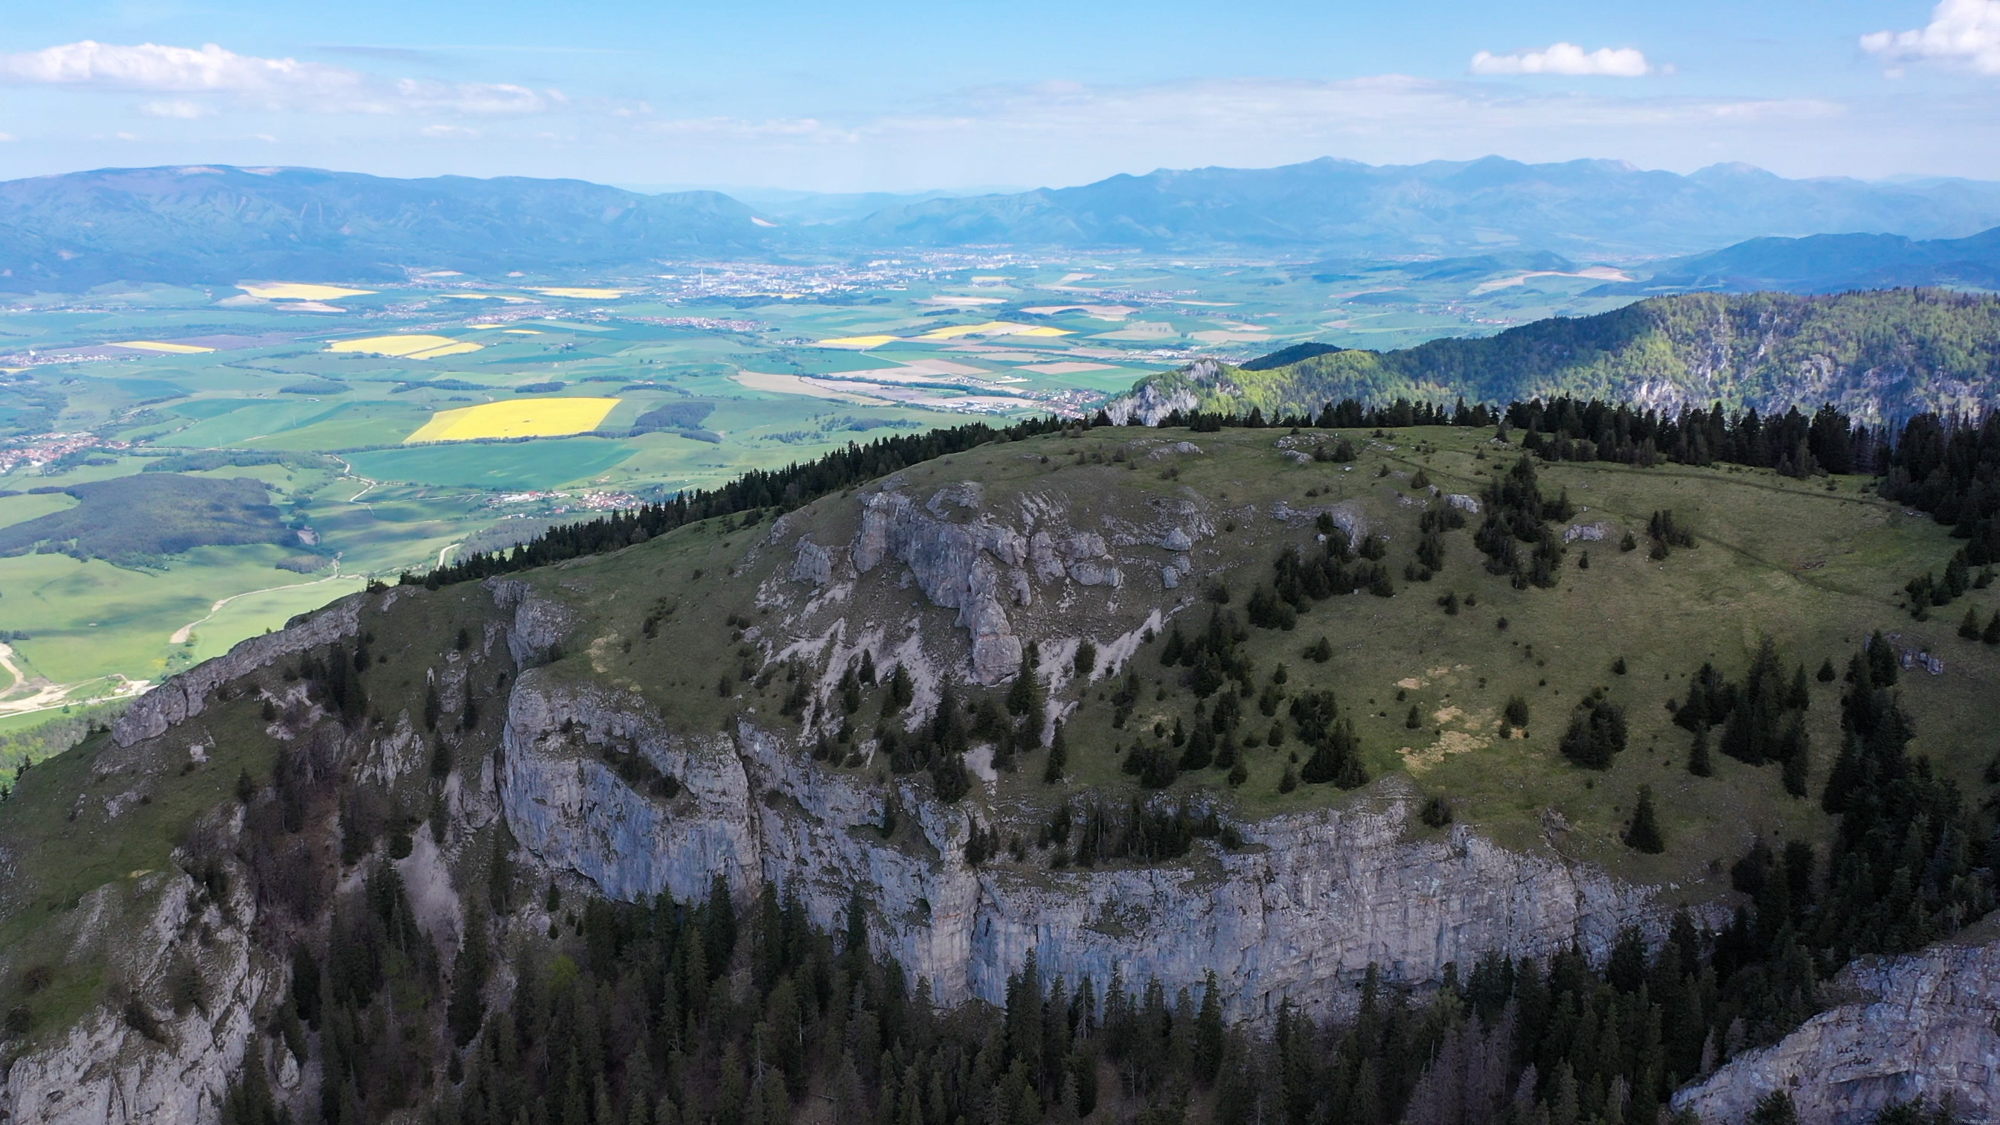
x: 177, y: 108
x: 275, y: 84
x: 1058, y: 133
x: 1961, y: 32
x: 159, y: 68
x: 476, y: 98
x: 1566, y: 58
x: 800, y: 127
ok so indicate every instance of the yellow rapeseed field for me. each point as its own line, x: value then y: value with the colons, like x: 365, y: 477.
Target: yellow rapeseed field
x: 301, y: 291
x: 857, y: 342
x: 529, y: 417
x: 584, y: 294
x: 406, y: 347
x: 991, y: 328
x: 157, y: 346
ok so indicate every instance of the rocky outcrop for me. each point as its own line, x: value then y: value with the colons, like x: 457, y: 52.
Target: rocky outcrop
x: 186, y: 695
x: 1589, y: 532
x: 1915, y: 1027
x: 104, y: 1070
x: 813, y: 564
x: 1299, y: 911
x: 977, y: 567
x: 1150, y: 403
x: 539, y: 623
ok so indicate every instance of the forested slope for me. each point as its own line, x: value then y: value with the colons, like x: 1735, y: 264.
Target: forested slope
x: 1879, y: 356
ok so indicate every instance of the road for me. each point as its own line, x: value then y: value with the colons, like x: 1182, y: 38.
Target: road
x: 181, y: 634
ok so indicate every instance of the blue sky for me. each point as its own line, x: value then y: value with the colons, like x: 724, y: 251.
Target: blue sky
x: 905, y: 96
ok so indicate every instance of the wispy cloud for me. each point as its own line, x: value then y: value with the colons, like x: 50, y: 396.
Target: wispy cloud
x: 804, y: 128
x: 1566, y: 58
x: 278, y: 84
x: 1067, y: 132
x: 1961, y: 33
x: 177, y: 108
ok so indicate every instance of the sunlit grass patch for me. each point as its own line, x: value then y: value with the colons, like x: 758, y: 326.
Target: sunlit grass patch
x: 540, y: 417
x: 416, y: 346
x: 158, y: 346
x: 301, y: 291
x: 991, y: 328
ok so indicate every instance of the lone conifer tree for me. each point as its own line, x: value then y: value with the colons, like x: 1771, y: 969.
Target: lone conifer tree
x: 1968, y: 626
x: 1644, y: 833
x: 1698, y: 763
x: 1058, y: 758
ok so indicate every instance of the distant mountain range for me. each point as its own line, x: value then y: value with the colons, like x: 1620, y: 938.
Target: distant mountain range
x: 220, y: 224
x: 1829, y: 263
x: 1580, y: 209
x: 1878, y: 355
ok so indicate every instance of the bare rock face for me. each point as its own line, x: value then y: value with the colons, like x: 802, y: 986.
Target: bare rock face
x: 1150, y: 404
x: 814, y: 564
x: 1922, y: 1026
x: 539, y: 624
x: 1299, y: 913
x: 977, y: 567
x: 106, y: 1072
x: 186, y: 695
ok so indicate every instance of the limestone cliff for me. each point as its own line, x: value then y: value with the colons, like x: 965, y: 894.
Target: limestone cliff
x: 1299, y: 911
x: 138, y: 1059
x: 1920, y: 1027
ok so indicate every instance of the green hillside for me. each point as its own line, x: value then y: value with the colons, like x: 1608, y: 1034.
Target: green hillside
x: 1877, y: 355
x: 1702, y: 679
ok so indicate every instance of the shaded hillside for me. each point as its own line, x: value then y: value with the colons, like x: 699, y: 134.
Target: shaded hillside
x: 220, y: 225
x: 1346, y: 207
x: 1878, y: 356
x: 1830, y: 263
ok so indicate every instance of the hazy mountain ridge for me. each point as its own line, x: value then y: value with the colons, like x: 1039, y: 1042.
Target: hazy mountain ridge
x: 1878, y: 355
x: 1829, y: 263
x: 220, y: 224
x: 1579, y: 207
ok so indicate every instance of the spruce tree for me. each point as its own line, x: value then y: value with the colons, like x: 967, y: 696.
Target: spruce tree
x: 1200, y: 749
x: 1644, y: 833
x: 1698, y: 763
x: 1968, y: 626
x: 1775, y: 1108
x: 1058, y: 758
x: 1992, y: 634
